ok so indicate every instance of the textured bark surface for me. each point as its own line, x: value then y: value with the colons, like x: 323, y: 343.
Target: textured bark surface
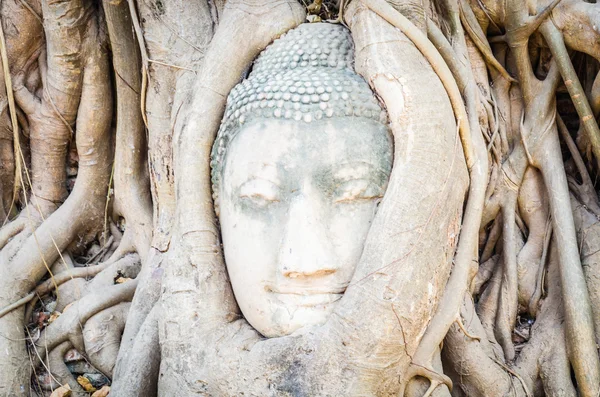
x: 479, y: 276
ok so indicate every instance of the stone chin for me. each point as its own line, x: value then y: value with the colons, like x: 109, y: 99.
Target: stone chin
x: 291, y: 312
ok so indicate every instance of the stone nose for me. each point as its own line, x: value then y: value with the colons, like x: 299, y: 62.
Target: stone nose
x: 305, y: 249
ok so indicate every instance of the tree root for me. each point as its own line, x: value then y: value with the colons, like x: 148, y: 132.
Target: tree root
x: 58, y: 370
x: 141, y: 378
x: 25, y: 265
x: 580, y: 101
x: 75, y: 289
x: 476, y: 157
x: 545, y: 270
x: 102, y: 337
x: 578, y: 313
x: 435, y: 378
x: 508, y: 299
x: 476, y: 34
x: 68, y: 326
x: 197, y: 242
x: 11, y: 230
x: 55, y: 281
x: 146, y: 297
x: 474, y: 369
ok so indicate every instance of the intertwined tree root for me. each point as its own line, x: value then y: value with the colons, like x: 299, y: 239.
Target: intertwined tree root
x: 125, y: 98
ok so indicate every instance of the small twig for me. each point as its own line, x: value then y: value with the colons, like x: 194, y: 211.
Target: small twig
x: 516, y: 375
x: 462, y: 327
x: 108, y: 192
x: 171, y: 65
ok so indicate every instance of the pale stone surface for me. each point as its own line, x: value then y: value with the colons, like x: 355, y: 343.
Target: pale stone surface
x: 295, y: 211
x: 302, y: 159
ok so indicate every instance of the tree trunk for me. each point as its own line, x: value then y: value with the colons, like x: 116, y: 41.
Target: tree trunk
x: 477, y: 276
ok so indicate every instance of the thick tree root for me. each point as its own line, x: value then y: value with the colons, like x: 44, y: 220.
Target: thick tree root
x: 69, y: 325
x: 142, y: 378
x: 535, y: 327
x: 102, y: 337
x: 57, y: 369
x: 54, y: 282
x: 476, y: 157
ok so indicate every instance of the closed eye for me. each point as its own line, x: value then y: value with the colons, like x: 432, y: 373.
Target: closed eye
x: 357, y: 190
x: 259, y: 192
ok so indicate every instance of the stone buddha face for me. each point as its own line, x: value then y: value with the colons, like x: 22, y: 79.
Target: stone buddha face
x: 296, y: 190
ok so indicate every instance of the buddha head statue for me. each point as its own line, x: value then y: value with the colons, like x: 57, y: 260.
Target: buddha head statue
x: 301, y: 161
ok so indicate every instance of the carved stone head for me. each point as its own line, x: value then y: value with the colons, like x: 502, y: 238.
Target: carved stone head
x: 300, y: 163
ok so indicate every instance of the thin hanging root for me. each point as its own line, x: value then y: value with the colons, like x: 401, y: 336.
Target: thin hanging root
x: 13, y: 116
x: 585, y: 191
x: 462, y: 327
x: 561, y: 56
x: 509, y: 294
x: 51, y: 283
x: 477, y: 36
x: 32, y: 11
x: 577, y: 159
x: 140, y: 38
x: 476, y: 158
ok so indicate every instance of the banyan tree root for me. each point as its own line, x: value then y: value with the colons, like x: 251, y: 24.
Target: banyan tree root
x: 199, y: 261
x: 64, y: 91
x: 52, y: 119
x: 476, y: 158
x: 541, y: 150
x: 521, y: 323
